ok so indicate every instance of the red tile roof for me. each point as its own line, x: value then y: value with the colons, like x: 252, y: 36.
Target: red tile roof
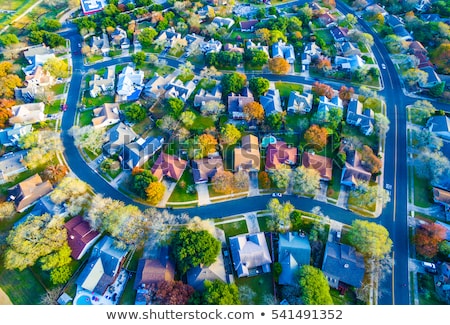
x: 280, y: 153
x: 79, y: 235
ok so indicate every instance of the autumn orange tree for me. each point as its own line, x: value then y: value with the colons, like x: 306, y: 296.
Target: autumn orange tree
x: 427, y: 239
x: 155, y: 192
x: 254, y: 111
x: 316, y: 135
x: 279, y: 66
x: 346, y: 93
x: 321, y: 89
x: 5, y: 110
x: 171, y: 293
x: 207, y: 143
x: 223, y: 182
x: 369, y: 160
x: 8, y: 80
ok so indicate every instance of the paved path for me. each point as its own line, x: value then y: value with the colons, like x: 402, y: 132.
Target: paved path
x: 252, y: 222
x: 170, y: 186
x: 203, y: 194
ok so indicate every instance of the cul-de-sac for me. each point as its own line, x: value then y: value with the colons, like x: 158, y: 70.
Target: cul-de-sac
x: 224, y: 152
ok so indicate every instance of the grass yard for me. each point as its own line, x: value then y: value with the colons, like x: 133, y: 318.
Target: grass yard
x: 427, y: 291
x: 261, y: 285
x: 422, y: 192
x: 53, y: 108
x: 335, y: 185
x: 22, y: 287
x: 180, y: 193
x: 233, y: 228
x: 263, y: 223
x: 89, y: 101
x: 85, y: 118
x: 58, y: 89
x: 285, y: 88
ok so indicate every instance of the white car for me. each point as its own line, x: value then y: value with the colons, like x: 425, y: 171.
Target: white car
x: 383, y: 66
x: 277, y: 194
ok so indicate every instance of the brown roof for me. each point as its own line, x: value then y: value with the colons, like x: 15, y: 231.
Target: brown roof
x: 280, y: 153
x: 322, y: 164
x: 170, y: 166
x: 154, y: 270
x: 108, y: 111
x: 441, y: 195
x: 29, y: 191
x: 79, y: 235
x: 248, y: 156
x: 353, y: 169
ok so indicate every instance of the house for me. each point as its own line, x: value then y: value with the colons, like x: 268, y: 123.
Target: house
x: 443, y: 282
x: 342, y: 264
x: 11, y: 136
x: 279, y: 155
x: 247, y: 157
x: 362, y: 119
x: 271, y: 102
x: 205, y: 96
x: 46, y: 205
x: 216, y: 271
x: 416, y: 47
x: 179, y: 89
x: 11, y: 164
x: 27, y: 192
x: 326, y: 104
x: 80, y: 236
x: 299, y: 103
x: 393, y: 21
x: 236, y: 103
x: 322, y: 164
x: 339, y: 33
x: 250, y: 254
x: 294, y: 250
x: 27, y: 113
x: 118, y: 136
x: 283, y: 50
x: 100, y: 44
x: 37, y: 56
x: 150, y: 271
x: 223, y: 22
x: 156, y: 87
x: 172, y: 38
x: 327, y: 19
x: 348, y: 49
x: 432, y: 79
x: 203, y: 170
x: 102, y: 268
x: 193, y: 42
x: 351, y: 62
x: 39, y: 78
x: 228, y: 47
x: 211, y: 46
x: 130, y: 84
x: 248, y: 25
x: 353, y: 170
x: 107, y: 114
x: 252, y: 46
x: 440, y: 125
x: 102, y: 84
x: 402, y: 33
x: 442, y: 197
x: 136, y: 153
x: 169, y: 166
x: 90, y: 7
x: 119, y: 38
x: 313, y: 50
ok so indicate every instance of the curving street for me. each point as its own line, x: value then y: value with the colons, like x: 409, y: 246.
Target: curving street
x: 394, y: 216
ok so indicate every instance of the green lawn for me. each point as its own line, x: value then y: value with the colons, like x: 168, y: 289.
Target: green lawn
x: 53, y: 107
x: 285, y: 88
x: 422, y: 192
x: 261, y: 285
x: 85, y: 118
x: 58, y: 89
x: 23, y: 288
x: 180, y: 193
x: 234, y: 228
x: 335, y: 185
x: 97, y: 101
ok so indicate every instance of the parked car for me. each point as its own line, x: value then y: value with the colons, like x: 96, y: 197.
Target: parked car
x: 277, y: 194
x: 429, y: 267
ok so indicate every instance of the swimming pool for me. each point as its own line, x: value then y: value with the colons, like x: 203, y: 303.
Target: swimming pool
x: 83, y: 300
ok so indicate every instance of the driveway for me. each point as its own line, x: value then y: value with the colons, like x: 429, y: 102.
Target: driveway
x: 253, y: 189
x: 321, y: 194
x: 343, y: 197
x: 203, y: 194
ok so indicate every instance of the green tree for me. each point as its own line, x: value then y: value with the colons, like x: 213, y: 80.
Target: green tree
x: 50, y: 25
x: 305, y: 180
x: 229, y: 134
x: 175, y: 106
x: 314, y: 288
x: 370, y: 239
x: 8, y: 39
x: 280, y: 178
x: 275, y: 120
x: 58, y: 68
x: 220, y: 293
x: 146, y: 36
x: 34, y: 238
x: 60, y: 275
x: 280, y: 213
x: 138, y: 58
x: 135, y: 113
x: 57, y: 259
x: 141, y: 180
x: 194, y: 248
x: 232, y: 82
x: 259, y: 86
